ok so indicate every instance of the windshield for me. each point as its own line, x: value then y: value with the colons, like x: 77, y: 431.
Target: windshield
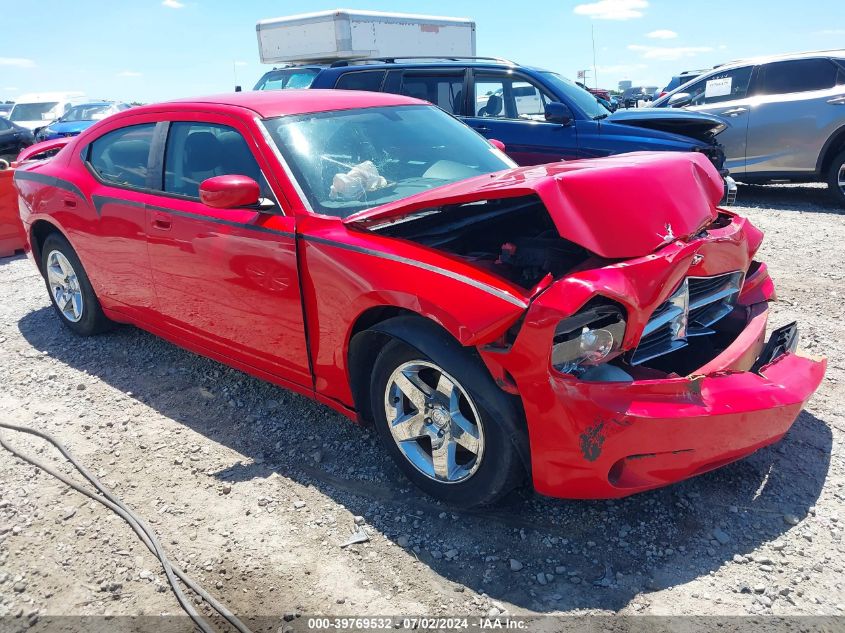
x: 583, y: 99
x: 31, y: 111
x: 350, y: 160
x: 287, y: 78
x: 88, y: 112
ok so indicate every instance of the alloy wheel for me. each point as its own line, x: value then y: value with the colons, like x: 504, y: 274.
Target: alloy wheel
x: 840, y: 179
x: 64, y: 285
x: 434, y: 422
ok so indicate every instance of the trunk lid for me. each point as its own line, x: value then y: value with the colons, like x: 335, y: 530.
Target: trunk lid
x: 618, y: 207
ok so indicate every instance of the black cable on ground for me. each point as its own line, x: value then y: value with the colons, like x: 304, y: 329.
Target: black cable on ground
x: 138, y: 525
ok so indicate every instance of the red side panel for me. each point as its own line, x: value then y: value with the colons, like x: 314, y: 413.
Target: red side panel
x: 11, y: 230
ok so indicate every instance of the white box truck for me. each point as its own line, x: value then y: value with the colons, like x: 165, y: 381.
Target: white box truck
x: 342, y: 34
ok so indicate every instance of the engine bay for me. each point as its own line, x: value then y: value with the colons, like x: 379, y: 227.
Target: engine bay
x: 513, y: 238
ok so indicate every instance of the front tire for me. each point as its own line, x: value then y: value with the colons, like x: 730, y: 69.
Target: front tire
x: 446, y: 424
x: 836, y: 178
x: 69, y: 288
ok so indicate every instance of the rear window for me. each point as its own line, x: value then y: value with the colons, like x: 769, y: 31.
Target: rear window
x: 120, y: 157
x: 364, y: 80
x: 287, y: 78
x: 797, y: 75
x: 445, y: 90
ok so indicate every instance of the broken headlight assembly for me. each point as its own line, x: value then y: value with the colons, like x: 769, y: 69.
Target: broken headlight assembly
x: 591, y: 336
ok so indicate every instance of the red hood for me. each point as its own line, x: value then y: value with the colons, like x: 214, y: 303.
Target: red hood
x: 618, y: 207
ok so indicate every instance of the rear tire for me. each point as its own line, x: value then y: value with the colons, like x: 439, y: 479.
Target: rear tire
x: 459, y: 447
x: 69, y: 288
x: 836, y: 178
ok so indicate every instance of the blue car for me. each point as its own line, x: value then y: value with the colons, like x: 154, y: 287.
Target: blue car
x: 539, y: 115
x: 78, y: 118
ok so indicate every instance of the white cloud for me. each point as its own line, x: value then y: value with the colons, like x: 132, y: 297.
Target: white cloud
x: 18, y: 62
x: 172, y: 4
x: 662, y: 34
x: 831, y: 32
x: 668, y: 53
x: 128, y: 73
x: 240, y: 63
x: 612, y: 9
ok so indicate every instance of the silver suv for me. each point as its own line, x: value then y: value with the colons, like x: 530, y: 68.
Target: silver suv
x: 786, y: 115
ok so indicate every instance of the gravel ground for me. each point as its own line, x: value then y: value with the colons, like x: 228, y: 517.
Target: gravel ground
x: 253, y: 490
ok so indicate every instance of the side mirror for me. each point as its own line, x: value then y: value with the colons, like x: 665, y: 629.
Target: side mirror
x: 497, y: 144
x: 229, y: 192
x: 679, y: 100
x: 558, y: 113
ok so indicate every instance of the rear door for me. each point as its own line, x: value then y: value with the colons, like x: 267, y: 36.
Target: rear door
x: 226, y: 279
x: 444, y: 88
x: 511, y: 109
x: 728, y: 94
x: 798, y: 106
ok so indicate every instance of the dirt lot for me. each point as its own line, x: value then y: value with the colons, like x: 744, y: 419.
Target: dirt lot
x: 253, y: 489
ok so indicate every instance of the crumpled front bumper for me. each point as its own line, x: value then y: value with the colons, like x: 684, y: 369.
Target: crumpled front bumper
x: 611, y: 439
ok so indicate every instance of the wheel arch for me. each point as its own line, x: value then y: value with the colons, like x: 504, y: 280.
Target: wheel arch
x: 832, y: 147
x: 38, y: 233
x: 376, y: 327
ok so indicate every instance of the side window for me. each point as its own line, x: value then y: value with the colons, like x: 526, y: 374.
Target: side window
x: 444, y: 91
x: 196, y: 151
x: 509, y: 98
x: 4, y: 124
x: 365, y: 80
x: 798, y: 75
x: 724, y: 86
x: 120, y: 157
x: 489, y: 100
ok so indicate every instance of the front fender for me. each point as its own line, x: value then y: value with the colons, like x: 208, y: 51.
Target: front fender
x: 348, y: 273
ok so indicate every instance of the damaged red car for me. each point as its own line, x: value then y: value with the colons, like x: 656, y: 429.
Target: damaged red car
x: 595, y: 327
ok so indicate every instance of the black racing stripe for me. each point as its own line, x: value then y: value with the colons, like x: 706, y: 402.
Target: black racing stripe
x: 100, y: 201
x: 46, y: 179
x: 412, y: 262
x: 239, y: 225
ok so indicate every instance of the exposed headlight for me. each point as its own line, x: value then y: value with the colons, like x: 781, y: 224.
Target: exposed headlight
x: 591, y: 336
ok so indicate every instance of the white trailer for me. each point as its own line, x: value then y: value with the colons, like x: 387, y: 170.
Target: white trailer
x: 342, y: 34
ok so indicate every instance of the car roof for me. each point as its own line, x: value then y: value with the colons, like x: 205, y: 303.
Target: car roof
x: 765, y: 59
x: 380, y: 64
x: 273, y: 103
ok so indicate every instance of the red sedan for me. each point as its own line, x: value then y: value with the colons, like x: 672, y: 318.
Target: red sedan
x: 597, y: 326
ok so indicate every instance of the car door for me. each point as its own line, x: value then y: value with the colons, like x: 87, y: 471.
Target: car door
x: 511, y: 109
x: 728, y: 94
x: 798, y: 106
x: 113, y: 244
x: 442, y: 87
x: 226, y: 279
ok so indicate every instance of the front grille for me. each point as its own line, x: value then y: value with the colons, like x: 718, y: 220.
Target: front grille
x: 692, y: 309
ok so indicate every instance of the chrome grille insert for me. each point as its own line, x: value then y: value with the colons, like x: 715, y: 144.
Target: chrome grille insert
x: 692, y: 309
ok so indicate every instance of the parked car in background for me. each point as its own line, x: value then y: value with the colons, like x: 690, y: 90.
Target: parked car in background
x: 594, y: 327
x: 786, y: 114
x: 539, y: 115
x: 13, y: 138
x: 80, y: 117
x: 678, y: 80
x: 601, y: 93
x: 37, y: 110
x: 5, y: 108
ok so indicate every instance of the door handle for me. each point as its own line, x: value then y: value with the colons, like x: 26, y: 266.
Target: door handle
x: 837, y: 100
x: 481, y: 128
x: 735, y: 112
x: 162, y: 222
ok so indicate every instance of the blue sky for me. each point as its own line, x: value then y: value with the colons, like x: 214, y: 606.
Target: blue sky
x: 150, y: 50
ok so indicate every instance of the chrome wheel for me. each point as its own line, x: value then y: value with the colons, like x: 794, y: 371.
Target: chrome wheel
x: 434, y: 422
x: 64, y: 285
x: 840, y: 178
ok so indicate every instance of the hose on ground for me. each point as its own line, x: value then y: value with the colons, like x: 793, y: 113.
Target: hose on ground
x: 138, y: 525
